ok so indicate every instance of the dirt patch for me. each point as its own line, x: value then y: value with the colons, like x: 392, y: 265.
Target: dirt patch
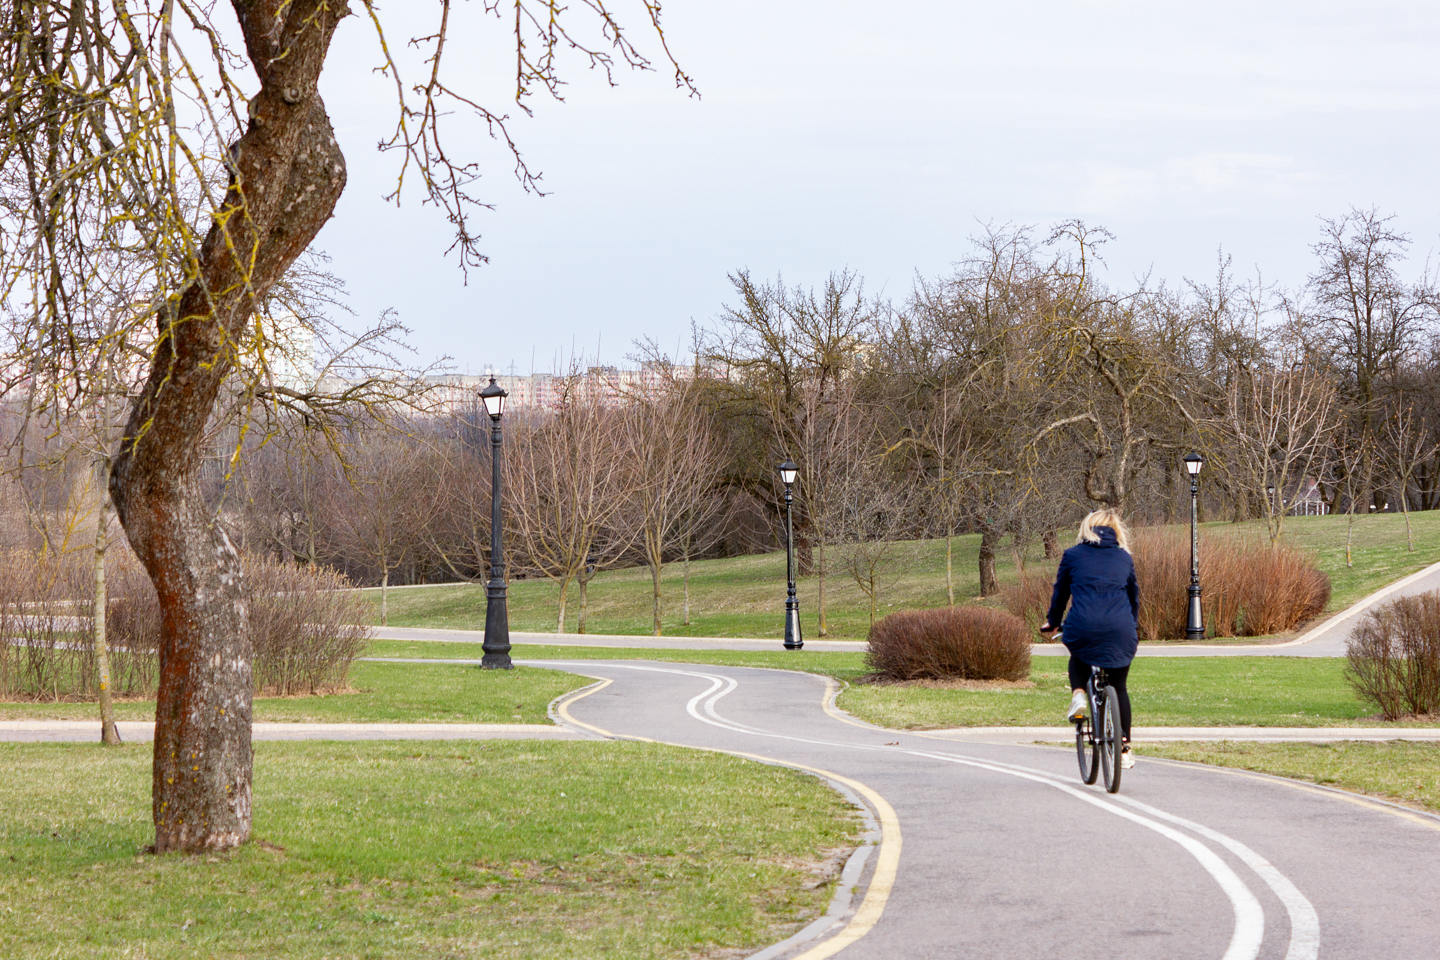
x: 955, y: 684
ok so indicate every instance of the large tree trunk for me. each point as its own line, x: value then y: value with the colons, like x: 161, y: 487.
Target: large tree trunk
x: 989, y: 540
x: 287, y: 176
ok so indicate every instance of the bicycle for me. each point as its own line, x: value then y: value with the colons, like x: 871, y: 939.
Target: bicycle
x: 1099, y: 739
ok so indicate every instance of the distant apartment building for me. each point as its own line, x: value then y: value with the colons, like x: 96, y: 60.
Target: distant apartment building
x: 453, y: 393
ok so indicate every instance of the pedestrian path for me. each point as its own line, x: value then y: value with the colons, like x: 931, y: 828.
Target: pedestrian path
x: 136, y: 731
x: 1324, y: 639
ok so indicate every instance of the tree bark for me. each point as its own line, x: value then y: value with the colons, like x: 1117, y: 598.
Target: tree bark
x: 950, y: 569
x: 988, y: 541
x: 109, y: 733
x: 286, y: 177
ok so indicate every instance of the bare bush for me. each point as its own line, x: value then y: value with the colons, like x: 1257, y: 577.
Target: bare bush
x: 304, y: 623
x: 1028, y: 598
x: 1251, y: 588
x: 39, y: 652
x: 967, y: 643
x: 1394, y: 657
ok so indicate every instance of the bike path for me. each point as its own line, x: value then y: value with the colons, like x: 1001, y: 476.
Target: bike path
x: 996, y: 850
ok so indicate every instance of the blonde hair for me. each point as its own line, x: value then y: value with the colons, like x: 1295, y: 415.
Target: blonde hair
x: 1104, y: 518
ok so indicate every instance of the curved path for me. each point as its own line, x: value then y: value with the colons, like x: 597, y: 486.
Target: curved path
x: 998, y: 851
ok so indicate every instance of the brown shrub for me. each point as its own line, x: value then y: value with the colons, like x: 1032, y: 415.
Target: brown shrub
x: 969, y: 643
x: 304, y: 624
x: 40, y: 655
x: 1250, y: 588
x: 1028, y: 598
x: 1394, y: 657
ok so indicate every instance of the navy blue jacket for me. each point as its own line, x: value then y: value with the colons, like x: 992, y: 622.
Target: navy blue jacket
x: 1098, y: 581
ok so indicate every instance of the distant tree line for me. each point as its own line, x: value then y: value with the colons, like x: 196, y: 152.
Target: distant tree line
x: 1005, y: 398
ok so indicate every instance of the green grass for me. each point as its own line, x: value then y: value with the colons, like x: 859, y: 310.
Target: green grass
x: 499, y: 850
x: 1179, y: 691
x: 384, y: 692
x: 744, y: 596
x: 1395, y: 770
x: 1165, y: 691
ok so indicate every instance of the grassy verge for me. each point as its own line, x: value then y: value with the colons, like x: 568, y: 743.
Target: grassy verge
x: 496, y: 850
x: 1188, y: 691
x: 1166, y: 691
x: 739, y: 596
x: 384, y: 692
x: 1395, y: 770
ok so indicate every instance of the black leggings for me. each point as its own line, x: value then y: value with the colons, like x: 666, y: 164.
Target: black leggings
x: 1115, y: 676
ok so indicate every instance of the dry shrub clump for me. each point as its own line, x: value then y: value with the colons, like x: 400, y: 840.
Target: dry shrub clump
x: 1394, y: 657
x: 306, y: 626
x: 1251, y: 588
x: 39, y: 649
x: 304, y: 623
x: 968, y: 643
x: 1028, y: 598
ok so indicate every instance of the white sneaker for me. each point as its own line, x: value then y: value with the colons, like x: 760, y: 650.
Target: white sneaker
x: 1127, y: 759
x: 1079, y: 703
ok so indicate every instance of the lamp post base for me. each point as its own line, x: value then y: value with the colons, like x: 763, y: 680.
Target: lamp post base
x: 793, y: 640
x: 1194, y: 623
x: 497, y: 631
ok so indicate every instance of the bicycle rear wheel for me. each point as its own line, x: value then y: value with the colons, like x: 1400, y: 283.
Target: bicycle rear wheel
x: 1087, y: 751
x: 1111, y: 739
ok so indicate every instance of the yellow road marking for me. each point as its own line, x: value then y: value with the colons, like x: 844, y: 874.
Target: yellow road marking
x: 887, y: 862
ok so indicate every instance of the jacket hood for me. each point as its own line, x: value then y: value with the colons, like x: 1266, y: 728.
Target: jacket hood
x: 1107, y: 537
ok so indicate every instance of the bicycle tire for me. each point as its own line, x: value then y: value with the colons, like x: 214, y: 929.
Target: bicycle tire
x: 1087, y: 751
x: 1111, y: 740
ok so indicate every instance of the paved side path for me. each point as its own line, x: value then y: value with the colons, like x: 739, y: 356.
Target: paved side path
x: 86, y: 731
x: 1325, y: 639
x: 998, y: 851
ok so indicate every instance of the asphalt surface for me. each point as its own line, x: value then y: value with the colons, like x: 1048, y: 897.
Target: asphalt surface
x: 998, y: 851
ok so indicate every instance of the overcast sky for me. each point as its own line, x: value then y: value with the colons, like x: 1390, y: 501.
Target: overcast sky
x: 879, y: 136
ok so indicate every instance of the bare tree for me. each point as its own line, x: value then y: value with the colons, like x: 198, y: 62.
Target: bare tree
x: 119, y: 120
x: 676, y: 464
x: 569, y: 492
x: 1279, y: 421
x: 1407, y: 443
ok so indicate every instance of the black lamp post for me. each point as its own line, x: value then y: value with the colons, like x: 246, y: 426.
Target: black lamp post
x: 497, y: 620
x: 788, y: 473
x: 1194, y: 624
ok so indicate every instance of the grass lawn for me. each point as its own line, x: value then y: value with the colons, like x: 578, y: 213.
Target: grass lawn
x: 392, y: 692
x: 1395, y: 770
x: 458, y: 850
x: 1165, y: 691
x: 744, y: 596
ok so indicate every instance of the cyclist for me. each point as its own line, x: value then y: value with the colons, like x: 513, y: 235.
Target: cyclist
x: 1097, y: 579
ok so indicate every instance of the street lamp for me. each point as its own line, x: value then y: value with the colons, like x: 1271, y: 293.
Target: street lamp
x: 788, y: 473
x: 497, y: 620
x: 1194, y: 624
x: 1269, y: 498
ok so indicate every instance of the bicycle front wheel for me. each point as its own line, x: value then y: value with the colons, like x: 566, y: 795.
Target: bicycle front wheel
x: 1087, y: 751
x: 1111, y: 739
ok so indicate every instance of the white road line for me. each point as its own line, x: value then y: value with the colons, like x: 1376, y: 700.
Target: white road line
x: 1246, y: 939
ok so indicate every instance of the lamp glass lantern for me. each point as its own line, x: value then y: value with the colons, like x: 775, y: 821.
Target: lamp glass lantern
x: 788, y: 472
x: 1193, y: 463
x: 493, y: 396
